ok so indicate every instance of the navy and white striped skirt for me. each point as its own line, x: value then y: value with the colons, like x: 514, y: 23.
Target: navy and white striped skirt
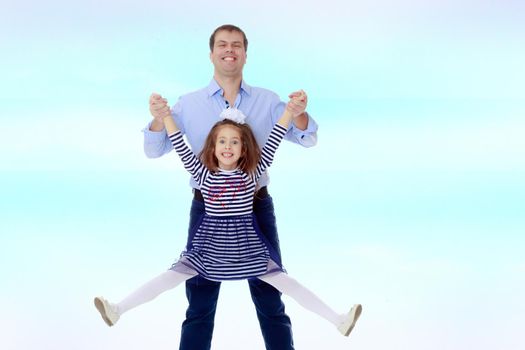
x: 228, y: 248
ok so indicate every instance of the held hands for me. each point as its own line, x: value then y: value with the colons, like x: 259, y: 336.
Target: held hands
x: 297, y: 104
x: 297, y: 107
x: 159, y: 109
x: 295, y: 111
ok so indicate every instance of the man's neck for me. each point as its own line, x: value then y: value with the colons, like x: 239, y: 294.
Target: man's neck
x: 230, y: 86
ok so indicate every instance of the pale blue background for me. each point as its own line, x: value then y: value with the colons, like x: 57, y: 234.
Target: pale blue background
x: 415, y: 200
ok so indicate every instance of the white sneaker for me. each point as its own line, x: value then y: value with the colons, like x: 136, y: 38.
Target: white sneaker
x: 107, y: 311
x: 351, y: 318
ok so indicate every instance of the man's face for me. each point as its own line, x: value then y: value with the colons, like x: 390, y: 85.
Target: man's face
x: 229, y: 54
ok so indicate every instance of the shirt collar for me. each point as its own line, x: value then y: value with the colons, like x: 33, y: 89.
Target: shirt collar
x: 213, y: 88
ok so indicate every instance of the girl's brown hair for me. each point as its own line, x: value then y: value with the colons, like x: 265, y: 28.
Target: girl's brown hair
x: 250, y: 153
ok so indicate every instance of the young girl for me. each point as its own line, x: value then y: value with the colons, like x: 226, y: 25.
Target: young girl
x: 226, y: 243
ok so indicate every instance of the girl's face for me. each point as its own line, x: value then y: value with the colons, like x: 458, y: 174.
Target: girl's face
x: 228, y: 147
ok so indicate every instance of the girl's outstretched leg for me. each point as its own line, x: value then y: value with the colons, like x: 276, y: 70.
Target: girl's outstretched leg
x: 307, y: 299
x: 150, y: 290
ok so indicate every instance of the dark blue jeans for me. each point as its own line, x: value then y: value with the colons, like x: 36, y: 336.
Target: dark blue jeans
x: 202, y: 294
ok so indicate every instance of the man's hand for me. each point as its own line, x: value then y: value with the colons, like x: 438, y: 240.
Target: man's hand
x: 297, y: 107
x: 159, y: 109
x: 297, y: 103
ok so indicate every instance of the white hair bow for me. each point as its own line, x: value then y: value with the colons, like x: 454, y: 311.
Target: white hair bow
x: 233, y: 114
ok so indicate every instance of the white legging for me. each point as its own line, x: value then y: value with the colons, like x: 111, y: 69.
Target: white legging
x: 279, y: 280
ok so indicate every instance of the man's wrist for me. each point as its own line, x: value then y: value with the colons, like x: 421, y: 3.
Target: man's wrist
x: 156, y: 125
x: 301, y: 121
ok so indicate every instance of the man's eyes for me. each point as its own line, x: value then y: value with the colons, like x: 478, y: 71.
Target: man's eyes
x: 236, y: 45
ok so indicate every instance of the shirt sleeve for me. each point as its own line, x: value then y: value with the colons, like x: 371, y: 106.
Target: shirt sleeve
x: 156, y: 143
x: 269, y: 149
x: 306, y: 138
x: 191, y: 163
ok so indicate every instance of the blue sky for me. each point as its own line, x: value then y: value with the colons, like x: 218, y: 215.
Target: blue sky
x: 411, y: 203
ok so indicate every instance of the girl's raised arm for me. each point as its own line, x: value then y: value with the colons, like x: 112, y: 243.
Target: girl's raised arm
x: 285, y: 119
x: 170, y: 125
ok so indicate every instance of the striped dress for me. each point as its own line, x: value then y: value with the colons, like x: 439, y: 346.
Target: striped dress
x: 227, y: 243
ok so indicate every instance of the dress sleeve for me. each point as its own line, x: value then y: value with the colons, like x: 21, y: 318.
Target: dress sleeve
x: 191, y: 163
x: 269, y: 149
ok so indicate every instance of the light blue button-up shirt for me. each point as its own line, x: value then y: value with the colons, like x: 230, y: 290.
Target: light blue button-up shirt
x: 195, y: 114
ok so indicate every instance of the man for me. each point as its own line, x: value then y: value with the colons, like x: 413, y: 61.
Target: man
x: 195, y: 113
